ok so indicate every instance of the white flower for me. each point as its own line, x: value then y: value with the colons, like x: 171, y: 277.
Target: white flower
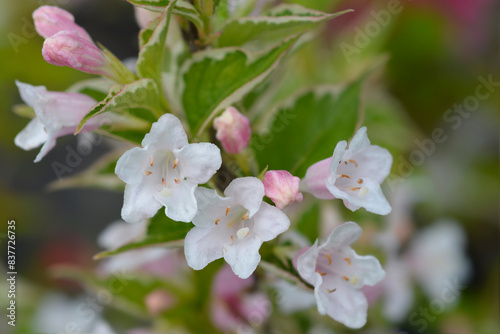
x: 57, y: 114
x: 233, y: 227
x: 352, y: 174
x: 165, y: 172
x: 338, y: 274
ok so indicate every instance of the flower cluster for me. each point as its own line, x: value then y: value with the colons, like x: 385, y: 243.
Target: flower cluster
x: 183, y: 179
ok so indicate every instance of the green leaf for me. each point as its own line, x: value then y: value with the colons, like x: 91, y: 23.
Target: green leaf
x: 140, y: 94
x: 149, y: 63
x: 152, y: 5
x: 308, y: 128
x: 96, y: 88
x: 260, y: 32
x: 162, y: 231
x: 214, y: 79
x: 308, y: 223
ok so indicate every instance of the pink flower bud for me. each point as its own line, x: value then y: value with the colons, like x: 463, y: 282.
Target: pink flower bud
x: 50, y: 20
x: 282, y: 188
x: 68, y: 48
x: 233, y: 130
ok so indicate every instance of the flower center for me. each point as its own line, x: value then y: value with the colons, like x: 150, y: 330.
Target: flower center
x: 347, y: 179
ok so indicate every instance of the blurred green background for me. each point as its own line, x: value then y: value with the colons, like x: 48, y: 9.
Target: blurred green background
x: 435, y: 52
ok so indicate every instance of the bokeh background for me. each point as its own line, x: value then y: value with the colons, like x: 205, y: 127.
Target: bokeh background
x: 434, y: 51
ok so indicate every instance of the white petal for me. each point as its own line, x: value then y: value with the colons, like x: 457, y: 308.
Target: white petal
x: 210, y: 207
x: 269, y: 222
x: 399, y: 294
x: 368, y: 269
x: 306, y: 265
x: 243, y: 256
x: 199, y: 162
x: 181, y: 204
x: 338, y: 154
x: 118, y: 233
x: 29, y: 93
x: 374, y: 162
x: 33, y: 135
x: 167, y: 134
x: 204, y: 245
x: 246, y: 191
x: 314, y: 180
x: 139, y: 203
x: 373, y: 199
x: 132, y: 165
x: 49, y: 145
x: 343, y: 236
x: 345, y: 305
x: 359, y: 141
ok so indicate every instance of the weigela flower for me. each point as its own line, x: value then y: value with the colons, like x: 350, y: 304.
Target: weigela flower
x: 233, y: 130
x: 49, y: 20
x: 57, y: 114
x: 234, y: 305
x: 165, y: 172
x: 338, y: 274
x: 233, y: 227
x: 353, y: 175
x: 282, y: 188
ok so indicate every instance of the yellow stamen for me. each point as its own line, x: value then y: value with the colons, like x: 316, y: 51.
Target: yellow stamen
x: 177, y: 180
x: 329, y: 259
x: 217, y: 221
x: 360, y: 181
x: 346, y: 176
x: 245, y: 216
x: 354, y: 189
x: 227, y: 210
x: 176, y: 161
x: 319, y: 272
x: 354, y: 162
x: 348, y: 260
x: 151, y: 160
x: 330, y: 291
x: 345, y: 278
x: 163, y: 182
x: 148, y: 172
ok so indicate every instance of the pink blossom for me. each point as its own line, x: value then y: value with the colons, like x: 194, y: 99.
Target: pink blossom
x: 50, y: 20
x: 233, y: 130
x: 282, y: 188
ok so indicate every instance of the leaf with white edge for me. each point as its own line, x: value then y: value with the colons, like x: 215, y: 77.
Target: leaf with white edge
x: 260, y: 32
x: 307, y: 128
x: 140, y: 94
x: 101, y: 175
x: 188, y: 11
x: 214, y: 79
x: 161, y: 232
x: 149, y: 63
x: 152, y: 5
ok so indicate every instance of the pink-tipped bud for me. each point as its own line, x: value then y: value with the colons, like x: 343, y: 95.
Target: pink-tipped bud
x: 50, y: 20
x: 282, y: 188
x: 233, y: 130
x: 158, y: 301
x: 68, y: 48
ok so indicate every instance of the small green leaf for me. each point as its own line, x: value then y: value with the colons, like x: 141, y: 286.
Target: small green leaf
x: 214, y: 79
x: 96, y: 88
x: 140, y: 94
x: 152, y: 5
x: 149, y: 63
x: 161, y: 232
x: 261, y: 32
x: 308, y: 128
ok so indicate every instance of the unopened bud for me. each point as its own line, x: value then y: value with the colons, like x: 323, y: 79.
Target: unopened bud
x: 282, y: 188
x: 233, y: 130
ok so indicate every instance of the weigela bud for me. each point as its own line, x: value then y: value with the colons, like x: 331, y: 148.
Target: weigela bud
x: 233, y: 130
x: 68, y: 48
x: 50, y: 20
x: 282, y: 188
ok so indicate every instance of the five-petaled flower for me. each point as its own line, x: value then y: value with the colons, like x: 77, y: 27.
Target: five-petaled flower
x: 353, y: 175
x: 57, y: 114
x: 165, y: 172
x: 233, y: 227
x: 338, y: 274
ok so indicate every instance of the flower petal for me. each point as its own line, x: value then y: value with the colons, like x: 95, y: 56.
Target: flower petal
x: 374, y: 162
x: 33, y: 135
x: 314, y: 180
x: 243, y: 256
x: 204, y: 245
x: 139, y: 203
x: 269, y: 222
x: 132, y: 165
x: 167, y: 134
x: 210, y: 206
x: 199, y: 162
x: 368, y: 268
x: 343, y: 236
x: 49, y: 145
x: 248, y: 192
x: 306, y: 265
x: 373, y: 199
x: 181, y: 205
x: 359, y: 141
